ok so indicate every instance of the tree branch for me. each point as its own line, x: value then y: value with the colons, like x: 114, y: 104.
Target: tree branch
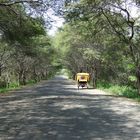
x: 18, y: 2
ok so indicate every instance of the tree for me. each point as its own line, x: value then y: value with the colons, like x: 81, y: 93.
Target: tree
x: 31, y: 55
x: 96, y: 18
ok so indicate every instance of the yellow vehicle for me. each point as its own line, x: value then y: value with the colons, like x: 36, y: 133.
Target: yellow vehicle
x: 82, y: 79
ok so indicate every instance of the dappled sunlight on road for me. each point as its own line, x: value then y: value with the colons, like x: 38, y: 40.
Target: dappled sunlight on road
x: 56, y: 110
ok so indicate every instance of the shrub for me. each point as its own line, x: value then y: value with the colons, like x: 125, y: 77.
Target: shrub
x: 3, y: 84
x: 125, y: 91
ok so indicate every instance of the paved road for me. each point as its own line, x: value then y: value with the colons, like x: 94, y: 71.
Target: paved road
x: 56, y: 110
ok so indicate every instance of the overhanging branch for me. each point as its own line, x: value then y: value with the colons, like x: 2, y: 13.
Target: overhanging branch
x: 18, y: 2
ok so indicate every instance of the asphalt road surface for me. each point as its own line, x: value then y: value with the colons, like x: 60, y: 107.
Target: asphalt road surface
x: 56, y: 110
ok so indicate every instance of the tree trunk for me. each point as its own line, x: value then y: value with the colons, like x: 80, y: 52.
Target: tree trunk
x: 138, y: 78
x: 0, y: 70
x: 35, y: 75
x: 94, y: 80
x: 94, y: 74
x: 22, y: 78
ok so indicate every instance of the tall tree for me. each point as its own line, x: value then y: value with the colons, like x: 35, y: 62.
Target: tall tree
x: 114, y: 17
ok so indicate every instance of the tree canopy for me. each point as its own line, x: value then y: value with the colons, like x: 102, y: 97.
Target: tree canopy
x: 103, y: 39
x: 26, y: 52
x: 99, y: 37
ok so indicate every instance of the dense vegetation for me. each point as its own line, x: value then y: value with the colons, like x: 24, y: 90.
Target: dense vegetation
x: 102, y: 38
x: 99, y: 37
x: 26, y: 51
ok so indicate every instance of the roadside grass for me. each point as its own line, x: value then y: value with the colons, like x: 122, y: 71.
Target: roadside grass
x: 13, y: 86
x: 4, y: 90
x: 124, y: 91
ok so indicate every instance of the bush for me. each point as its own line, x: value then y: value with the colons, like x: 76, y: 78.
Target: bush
x: 103, y: 85
x: 3, y: 84
x: 14, y: 85
x: 124, y: 91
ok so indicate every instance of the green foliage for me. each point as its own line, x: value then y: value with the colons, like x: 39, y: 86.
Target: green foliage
x: 103, y: 38
x: 3, y: 90
x: 132, y: 78
x: 124, y: 91
x: 17, y: 25
x: 104, y: 85
x: 13, y: 85
x: 99, y: 37
x: 25, y: 31
x: 27, y: 53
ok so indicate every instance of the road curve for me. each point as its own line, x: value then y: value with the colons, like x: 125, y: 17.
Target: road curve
x: 56, y: 110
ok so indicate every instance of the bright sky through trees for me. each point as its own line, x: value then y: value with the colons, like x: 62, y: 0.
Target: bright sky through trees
x: 55, y: 25
x: 56, y: 22
x: 132, y: 8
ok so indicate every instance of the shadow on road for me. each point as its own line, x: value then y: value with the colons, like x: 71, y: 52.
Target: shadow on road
x: 56, y: 110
